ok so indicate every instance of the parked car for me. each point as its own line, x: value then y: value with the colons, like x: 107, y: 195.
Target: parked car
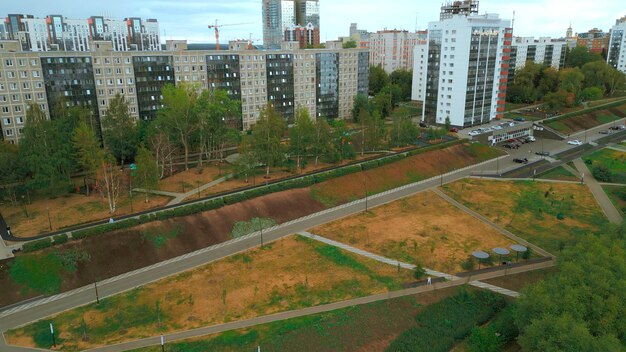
x: 496, y: 127
x: 575, y: 142
x: 530, y: 139
x: 423, y: 124
x: 605, y: 132
x: 474, y: 133
x: 543, y: 153
x: 454, y: 130
x: 521, y: 161
x: 519, y: 119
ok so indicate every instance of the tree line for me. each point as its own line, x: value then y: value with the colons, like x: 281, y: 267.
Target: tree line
x: 585, y: 77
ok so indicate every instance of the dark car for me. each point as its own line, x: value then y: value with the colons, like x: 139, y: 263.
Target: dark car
x: 519, y: 119
x: 454, y: 130
x: 423, y: 124
x: 605, y: 132
x: 521, y: 161
x: 543, y: 153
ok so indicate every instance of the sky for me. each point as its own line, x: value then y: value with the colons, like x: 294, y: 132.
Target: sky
x: 188, y: 19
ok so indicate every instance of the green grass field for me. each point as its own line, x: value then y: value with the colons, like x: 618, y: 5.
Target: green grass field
x: 617, y: 194
x: 558, y: 173
x: 614, y: 160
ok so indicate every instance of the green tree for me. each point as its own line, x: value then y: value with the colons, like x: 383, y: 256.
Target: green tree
x: 403, y: 131
x: 120, y: 132
x: 591, y: 93
x: 484, y: 339
x: 147, y: 173
x: 378, y: 78
x: 579, y: 56
x: 524, y: 86
x: 361, y: 102
x: 571, y: 80
x: 447, y: 124
x: 548, y: 81
x: 267, y: 134
x: 11, y: 169
x: 403, y: 79
x: 350, y: 44
x: 616, y: 81
x: 177, y: 116
x: 343, y: 148
x: 89, y: 155
x: 110, y: 179
x: 213, y: 109
x: 322, y: 142
x: 247, y: 161
x: 558, y: 100
x: 596, y: 74
x: 301, y: 135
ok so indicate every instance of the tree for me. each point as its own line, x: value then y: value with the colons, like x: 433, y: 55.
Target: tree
x: 395, y: 91
x: 322, y: 139
x: 162, y: 147
x: 571, y: 80
x: 602, y: 173
x: 446, y: 125
x: 266, y: 138
x: 591, y: 93
x: 403, y: 131
x: 350, y: 44
x: 147, y: 173
x: 177, y: 115
x: 548, y: 81
x: 213, y: 109
x: 404, y: 80
x: 110, y: 177
x: 11, y: 170
x: 246, y: 162
x: 579, y: 56
x: 45, y: 151
x: 301, y: 135
x: 378, y: 78
x: 616, y: 80
x: 559, y: 100
x: 596, y: 74
x: 484, y: 339
x: 524, y: 86
x: 361, y: 102
x: 89, y: 155
x: 579, y: 308
x: 372, y: 131
x: 120, y: 132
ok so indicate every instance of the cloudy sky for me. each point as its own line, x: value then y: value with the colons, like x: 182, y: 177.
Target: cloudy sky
x: 188, y: 19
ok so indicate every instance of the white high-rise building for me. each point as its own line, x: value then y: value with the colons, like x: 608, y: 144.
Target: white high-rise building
x: 466, y: 69
x: 616, y: 56
x: 544, y: 51
x: 420, y: 59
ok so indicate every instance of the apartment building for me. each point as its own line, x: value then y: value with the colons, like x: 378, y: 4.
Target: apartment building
x: 57, y: 33
x: 325, y: 81
x: 393, y: 49
x: 595, y: 40
x: 465, y: 69
x: 307, y: 35
x: 544, y: 51
x: 279, y: 15
x: 616, y: 55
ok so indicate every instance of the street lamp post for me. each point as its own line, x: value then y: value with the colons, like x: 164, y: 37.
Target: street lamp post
x: 49, y: 221
x: 95, y: 285
x: 365, y: 186
x: 162, y: 344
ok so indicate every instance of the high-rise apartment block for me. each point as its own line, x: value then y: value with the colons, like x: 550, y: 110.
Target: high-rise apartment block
x: 595, y: 40
x: 616, y: 56
x: 57, y: 33
x: 544, y: 51
x: 393, y: 49
x: 464, y: 68
x: 279, y: 15
x: 463, y: 7
x: 325, y: 81
x: 308, y: 35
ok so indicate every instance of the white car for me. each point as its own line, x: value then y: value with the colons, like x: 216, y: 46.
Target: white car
x: 575, y: 142
x: 496, y: 127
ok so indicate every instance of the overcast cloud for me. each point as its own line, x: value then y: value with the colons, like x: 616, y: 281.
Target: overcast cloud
x: 188, y: 19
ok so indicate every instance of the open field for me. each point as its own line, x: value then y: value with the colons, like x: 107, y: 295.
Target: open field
x: 568, y: 125
x: 291, y: 273
x: 136, y: 247
x: 363, y: 328
x: 412, y: 169
x: 558, y: 173
x: 613, y: 160
x: 185, y: 181
x: 530, y: 209
x: 617, y: 194
x: 517, y: 282
x: 423, y: 227
x: 71, y: 209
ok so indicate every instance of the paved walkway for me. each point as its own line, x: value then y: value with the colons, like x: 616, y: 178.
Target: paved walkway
x: 157, y: 192
x: 503, y: 231
x: 403, y: 265
x: 617, y: 147
x: 598, y: 193
x: 182, y: 196
x: 571, y: 170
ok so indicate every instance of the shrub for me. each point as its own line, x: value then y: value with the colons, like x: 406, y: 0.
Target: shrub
x: 468, y: 264
x: 60, y: 239
x: 36, y: 245
x: 601, y: 173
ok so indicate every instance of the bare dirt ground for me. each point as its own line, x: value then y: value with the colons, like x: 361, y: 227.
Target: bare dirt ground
x: 423, y: 227
x: 69, y: 210
x: 288, y: 274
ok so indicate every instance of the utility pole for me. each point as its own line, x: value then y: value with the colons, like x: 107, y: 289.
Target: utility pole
x: 95, y: 285
x: 162, y: 344
x: 54, y: 342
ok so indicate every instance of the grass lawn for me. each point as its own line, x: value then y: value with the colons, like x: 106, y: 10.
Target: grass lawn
x: 69, y: 210
x: 367, y: 327
x: 423, y: 226
x: 613, y: 160
x: 291, y: 273
x: 617, y: 194
x: 558, y: 173
x: 412, y: 169
x: 590, y: 119
x: 529, y: 209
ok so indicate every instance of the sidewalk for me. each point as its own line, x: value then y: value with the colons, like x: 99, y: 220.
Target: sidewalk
x: 598, y: 193
x: 182, y: 196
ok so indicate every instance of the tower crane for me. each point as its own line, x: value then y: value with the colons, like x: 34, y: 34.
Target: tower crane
x: 217, y: 31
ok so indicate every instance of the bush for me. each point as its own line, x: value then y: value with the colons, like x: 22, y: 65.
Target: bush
x: 468, y: 264
x: 60, y: 239
x: 601, y: 173
x: 36, y: 245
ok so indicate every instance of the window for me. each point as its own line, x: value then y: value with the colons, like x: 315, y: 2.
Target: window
x: 9, y: 132
x: 5, y: 109
x: 10, y: 74
x: 19, y: 120
x: 26, y: 85
x: 17, y: 108
x: 33, y: 62
x: 15, y: 97
x: 35, y: 74
x: 6, y: 121
x: 40, y: 96
x: 8, y: 62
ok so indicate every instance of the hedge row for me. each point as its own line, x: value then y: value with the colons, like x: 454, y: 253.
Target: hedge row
x: 441, y: 325
x: 585, y: 111
x: 216, y: 203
